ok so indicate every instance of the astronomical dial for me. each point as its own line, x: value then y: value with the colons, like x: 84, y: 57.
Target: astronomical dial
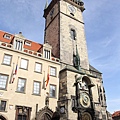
x: 84, y: 100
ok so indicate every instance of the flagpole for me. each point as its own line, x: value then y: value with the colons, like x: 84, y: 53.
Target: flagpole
x: 12, y: 74
x: 15, y: 72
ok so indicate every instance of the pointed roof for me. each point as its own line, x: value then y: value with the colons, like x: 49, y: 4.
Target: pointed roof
x: 46, y: 5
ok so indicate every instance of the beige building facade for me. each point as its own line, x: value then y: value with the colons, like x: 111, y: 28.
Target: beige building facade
x: 26, y: 95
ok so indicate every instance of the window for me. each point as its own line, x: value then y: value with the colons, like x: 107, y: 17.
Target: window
x: 21, y: 85
x: 23, y: 113
x: 28, y: 43
x: 3, y: 81
x: 24, y: 64
x: 7, y: 59
x: 7, y: 36
x: 47, y: 54
x: 52, y: 91
x: 73, y: 34
x: 36, y: 88
x: 18, y: 45
x: 38, y: 67
x: 52, y: 71
x: 2, y: 105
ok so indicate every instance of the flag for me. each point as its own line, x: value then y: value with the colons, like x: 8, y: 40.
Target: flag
x: 43, y: 86
x: 15, y: 73
x: 47, y: 81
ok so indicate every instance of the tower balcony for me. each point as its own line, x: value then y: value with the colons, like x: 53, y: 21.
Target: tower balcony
x: 78, y: 3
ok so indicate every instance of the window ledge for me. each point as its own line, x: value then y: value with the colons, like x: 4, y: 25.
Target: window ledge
x: 23, y: 69
x: 6, y: 64
x: 53, y: 75
x: 20, y: 92
x: 38, y: 72
x: 36, y: 94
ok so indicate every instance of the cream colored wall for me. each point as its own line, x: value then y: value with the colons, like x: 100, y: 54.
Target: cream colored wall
x: 67, y: 45
x: 27, y: 99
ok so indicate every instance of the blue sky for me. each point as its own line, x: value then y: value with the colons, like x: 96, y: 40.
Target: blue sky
x: 102, y: 21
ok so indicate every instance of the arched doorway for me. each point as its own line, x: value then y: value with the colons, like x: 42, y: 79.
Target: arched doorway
x: 2, y: 118
x: 44, y: 114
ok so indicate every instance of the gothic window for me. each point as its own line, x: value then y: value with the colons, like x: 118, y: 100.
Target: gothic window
x: 52, y: 91
x: 36, y: 88
x: 18, y: 45
x: 21, y: 85
x: 73, y: 34
x: 47, y: 54
x: 3, y: 81
x: 7, y: 59
x: 38, y: 67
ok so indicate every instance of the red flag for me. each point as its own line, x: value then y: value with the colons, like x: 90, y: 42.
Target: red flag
x: 15, y: 73
x: 47, y: 81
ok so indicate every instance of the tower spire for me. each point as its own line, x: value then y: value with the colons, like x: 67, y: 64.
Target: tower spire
x: 46, y: 5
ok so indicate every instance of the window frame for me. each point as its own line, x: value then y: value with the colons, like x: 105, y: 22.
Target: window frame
x: 6, y: 82
x: 73, y: 34
x: 18, y: 45
x: 7, y: 36
x: 54, y: 75
x: 24, y: 85
x: 40, y: 68
x: 6, y: 104
x: 39, y: 87
x: 10, y: 59
x: 26, y: 65
x: 52, y: 96
x: 47, y: 54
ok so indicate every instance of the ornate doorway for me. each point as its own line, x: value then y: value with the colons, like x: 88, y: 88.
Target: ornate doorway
x: 44, y: 114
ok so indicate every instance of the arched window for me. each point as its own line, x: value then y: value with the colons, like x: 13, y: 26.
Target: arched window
x: 73, y: 34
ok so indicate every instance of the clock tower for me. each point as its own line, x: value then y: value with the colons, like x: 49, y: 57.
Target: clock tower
x: 81, y: 91
x: 64, y: 29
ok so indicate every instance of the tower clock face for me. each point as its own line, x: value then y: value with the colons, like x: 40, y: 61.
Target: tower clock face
x: 84, y: 100
x: 71, y: 9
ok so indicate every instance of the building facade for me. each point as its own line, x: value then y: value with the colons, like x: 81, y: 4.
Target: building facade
x: 24, y: 67
x: 38, y: 79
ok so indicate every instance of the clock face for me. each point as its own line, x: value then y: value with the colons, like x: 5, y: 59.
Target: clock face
x: 71, y: 9
x: 84, y: 100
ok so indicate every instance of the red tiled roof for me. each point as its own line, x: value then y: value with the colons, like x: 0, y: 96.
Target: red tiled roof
x: 2, y: 39
x: 116, y: 114
x: 34, y: 46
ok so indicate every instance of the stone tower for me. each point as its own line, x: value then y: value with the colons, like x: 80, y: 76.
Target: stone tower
x: 81, y: 91
x: 64, y: 29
